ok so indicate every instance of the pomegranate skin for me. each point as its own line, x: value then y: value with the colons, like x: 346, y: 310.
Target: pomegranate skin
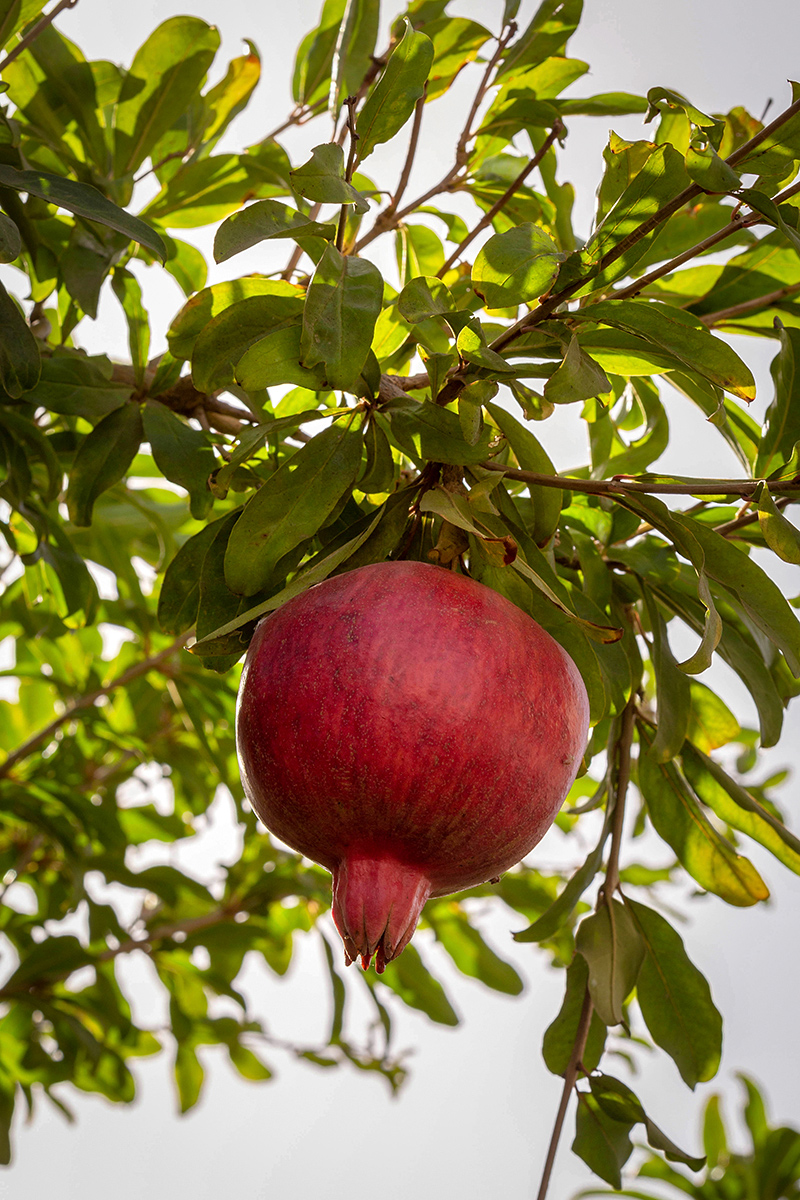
x: 411, y: 730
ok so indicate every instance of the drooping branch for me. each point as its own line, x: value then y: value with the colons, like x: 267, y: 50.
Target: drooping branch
x: 622, y: 484
x: 38, y: 28
x: 570, y: 1077
x: 88, y: 701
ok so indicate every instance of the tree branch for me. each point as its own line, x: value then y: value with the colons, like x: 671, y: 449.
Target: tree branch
x: 620, y: 485
x: 88, y: 701
x: 748, y: 306
x: 548, y: 306
x: 350, y: 125
x: 610, y: 884
x: 38, y: 28
x: 570, y: 1076
x: 488, y: 217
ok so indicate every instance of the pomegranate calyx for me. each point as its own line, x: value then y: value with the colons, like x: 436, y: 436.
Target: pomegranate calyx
x: 377, y: 901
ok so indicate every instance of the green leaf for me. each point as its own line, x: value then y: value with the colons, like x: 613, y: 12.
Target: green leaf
x: 290, y: 507
x: 165, y: 76
x: 776, y: 155
x: 672, y: 689
x: 180, y: 590
x: 681, y: 335
x: 469, y: 951
x: 285, y: 299
x: 322, y: 178
x: 606, y: 104
x: 129, y: 293
x: 559, y: 1038
x: 677, y: 817
x: 675, y: 999
x: 7, y: 1095
x: 577, y: 378
x: 439, y: 433
x: 102, y: 460
x: 660, y: 176
x: 711, y: 722
x: 563, y: 906
x: 620, y: 1103
x: 182, y: 454
x: 47, y: 962
x: 734, y: 805
x: 10, y: 240
x: 342, y: 306
x: 715, y: 1139
x: 379, y: 471
x: 227, y: 337
x: 20, y: 365
x: 423, y: 297
x: 276, y: 359
x: 712, y: 631
x: 603, y: 1143
x: 552, y: 25
x: 84, y: 201
x: 189, y: 1076
x: 392, y: 100
x: 409, y: 979
x: 710, y: 172
x: 261, y: 222
x: 779, y: 534
x: 76, y: 385
x: 782, y: 423
x: 610, y: 943
x: 315, y: 572
x: 37, y: 445
x: 516, y: 266
x: 456, y: 42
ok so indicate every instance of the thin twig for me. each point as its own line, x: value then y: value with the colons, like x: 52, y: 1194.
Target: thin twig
x: 621, y: 485
x: 413, y: 143
x: 488, y: 217
x: 749, y: 518
x: 38, y: 28
x: 88, y: 701
x: 350, y: 125
x: 748, y: 306
x: 570, y: 1076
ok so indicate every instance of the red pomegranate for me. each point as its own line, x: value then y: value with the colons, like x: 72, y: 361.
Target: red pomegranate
x: 412, y: 731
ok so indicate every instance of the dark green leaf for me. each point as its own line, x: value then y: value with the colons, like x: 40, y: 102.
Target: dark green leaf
x: 391, y: 102
x: 559, y: 1038
x: 20, y: 365
x: 603, y: 1143
x: 610, y: 943
x: 322, y: 178
x: 676, y: 1000
x: 276, y: 359
x: 289, y: 508
x: 262, y: 221
x: 779, y: 534
x: 180, y: 590
x: 342, y: 306
x: 672, y: 689
x: 103, y: 459
x: 85, y: 201
x: 562, y: 908
x: 182, y: 454
x: 202, y: 308
x: 10, y: 241
x: 227, y: 337
x: 379, y: 470
x: 782, y: 426
x: 439, y: 433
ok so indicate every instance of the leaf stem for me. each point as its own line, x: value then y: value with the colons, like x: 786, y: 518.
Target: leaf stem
x: 489, y: 216
x: 88, y: 701
x: 38, y: 28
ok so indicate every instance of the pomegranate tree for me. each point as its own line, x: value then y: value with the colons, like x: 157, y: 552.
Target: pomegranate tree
x: 412, y: 731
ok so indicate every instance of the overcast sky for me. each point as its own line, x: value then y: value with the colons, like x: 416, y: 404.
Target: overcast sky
x: 475, y: 1118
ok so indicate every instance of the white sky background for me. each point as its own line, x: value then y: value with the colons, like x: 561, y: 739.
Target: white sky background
x: 475, y: 1117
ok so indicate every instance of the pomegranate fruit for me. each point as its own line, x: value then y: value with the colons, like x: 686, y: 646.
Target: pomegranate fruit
x: 411, y: 730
